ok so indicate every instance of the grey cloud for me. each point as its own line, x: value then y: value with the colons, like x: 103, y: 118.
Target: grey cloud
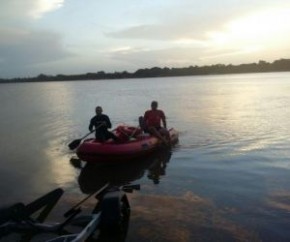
x: 22, y: 50
x: 179, y: 57
x: 188, y: 20
x: 187, y: 26
x: 26, y: 9
x: 167, y: 57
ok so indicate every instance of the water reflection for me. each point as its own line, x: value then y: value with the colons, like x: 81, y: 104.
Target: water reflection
x: 158, y: 166
x: 93, y: 176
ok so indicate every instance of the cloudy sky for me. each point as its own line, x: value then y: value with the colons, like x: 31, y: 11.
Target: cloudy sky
x: 74, y: 37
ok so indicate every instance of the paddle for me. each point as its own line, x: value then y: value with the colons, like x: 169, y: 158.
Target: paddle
x: 74, y: 144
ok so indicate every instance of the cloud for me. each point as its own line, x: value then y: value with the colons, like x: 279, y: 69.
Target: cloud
x: 190, y: 29
x: 172, y: 33
x: 188, y: 21
x: 166, y: 57
x: 232, y: 37
x: 19, y: 9
x: 21, y: 46
x: 193, y: 21
x: 20, y: 49
x: 43, y: 6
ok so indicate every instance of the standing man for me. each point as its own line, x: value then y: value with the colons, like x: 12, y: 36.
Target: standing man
x: 153, y: 119
x: 101, y: 123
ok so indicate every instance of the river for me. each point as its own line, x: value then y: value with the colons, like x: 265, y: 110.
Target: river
x: 226, y: 180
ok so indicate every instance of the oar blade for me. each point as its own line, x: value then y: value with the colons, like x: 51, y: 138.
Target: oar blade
x: 74, y: 144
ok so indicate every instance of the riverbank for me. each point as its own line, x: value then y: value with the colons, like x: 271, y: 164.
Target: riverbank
x: 282, y: 65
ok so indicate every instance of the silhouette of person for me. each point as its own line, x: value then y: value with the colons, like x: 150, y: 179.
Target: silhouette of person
x: 101, y: 122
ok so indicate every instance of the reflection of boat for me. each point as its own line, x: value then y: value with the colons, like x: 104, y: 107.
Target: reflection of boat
x: 135, y: 146
x: 94, y: 176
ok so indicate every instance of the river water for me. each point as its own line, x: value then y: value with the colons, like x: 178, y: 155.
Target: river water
x: 226, y: 180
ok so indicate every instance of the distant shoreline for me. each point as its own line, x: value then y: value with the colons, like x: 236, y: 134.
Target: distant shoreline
x: 282, y: 65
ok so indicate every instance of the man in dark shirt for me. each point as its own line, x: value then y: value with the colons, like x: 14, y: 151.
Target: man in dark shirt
x: 101, y: 123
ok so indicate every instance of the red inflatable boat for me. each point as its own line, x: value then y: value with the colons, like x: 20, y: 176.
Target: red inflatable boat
x: 134, y: 143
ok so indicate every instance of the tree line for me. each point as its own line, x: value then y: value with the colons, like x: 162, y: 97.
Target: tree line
x: 261, y: 66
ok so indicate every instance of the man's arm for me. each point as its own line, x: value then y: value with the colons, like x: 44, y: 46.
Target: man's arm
x: 163, y: 118
x: 91, y: 125
x: 164, y: 123
x: 145, y: 116
x: 108, y: 122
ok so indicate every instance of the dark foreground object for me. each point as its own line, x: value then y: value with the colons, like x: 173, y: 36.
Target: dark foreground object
x: 108, y: 220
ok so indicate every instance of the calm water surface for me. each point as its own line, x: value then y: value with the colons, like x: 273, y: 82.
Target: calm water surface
x: 227, y: 179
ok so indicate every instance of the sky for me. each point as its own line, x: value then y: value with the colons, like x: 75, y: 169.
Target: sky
x: 76, y: 37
